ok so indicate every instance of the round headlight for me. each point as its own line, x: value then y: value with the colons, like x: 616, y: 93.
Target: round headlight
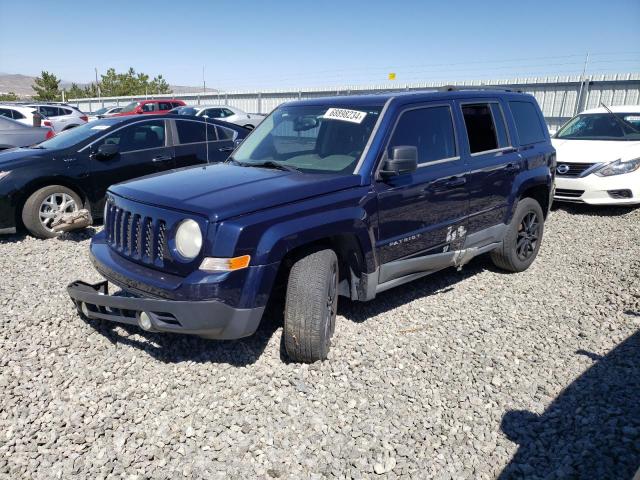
x: 188, y: 239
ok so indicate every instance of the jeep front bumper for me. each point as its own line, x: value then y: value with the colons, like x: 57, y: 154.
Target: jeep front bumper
x: 206, y: 318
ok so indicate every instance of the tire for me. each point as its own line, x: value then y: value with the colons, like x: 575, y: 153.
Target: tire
x: 310, y: 306
x: 521, y: 244
x: 35, y: 205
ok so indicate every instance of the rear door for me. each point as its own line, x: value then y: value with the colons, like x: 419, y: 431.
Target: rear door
x: 143, y: 149
x: 493, y: 163
x: 164, y: 107
x: 190, y: 143
x: 422, y: 215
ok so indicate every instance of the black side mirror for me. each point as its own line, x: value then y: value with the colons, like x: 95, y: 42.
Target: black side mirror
x: 106, y: 151
x: 404, y: 159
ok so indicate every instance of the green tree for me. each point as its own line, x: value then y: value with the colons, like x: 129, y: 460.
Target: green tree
x: 113, y: 84
x: 159, y: 85
x: 47, y: 87
x: 75, y: 91
x: 8, y: 97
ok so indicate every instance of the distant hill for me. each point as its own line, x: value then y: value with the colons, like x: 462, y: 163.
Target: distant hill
x: 21, y: 85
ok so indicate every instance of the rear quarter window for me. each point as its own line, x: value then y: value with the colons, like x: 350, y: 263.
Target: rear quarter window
x: 528, y: 122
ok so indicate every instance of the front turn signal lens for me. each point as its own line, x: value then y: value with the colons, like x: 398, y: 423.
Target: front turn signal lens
x: 210, y: 264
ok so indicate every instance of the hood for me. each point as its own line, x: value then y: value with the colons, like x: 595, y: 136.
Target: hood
x: 17, y: 157
x: 223, y: 191
x: 594, y: 151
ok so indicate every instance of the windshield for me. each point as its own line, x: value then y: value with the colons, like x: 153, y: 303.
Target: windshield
x: 602, y: 126
x: 184, y: 111
x: 130, y: 108
x: 70, y: 137
x: 311, y: 139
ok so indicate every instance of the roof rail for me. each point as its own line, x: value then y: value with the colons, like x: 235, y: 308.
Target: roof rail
x: 458, y: 88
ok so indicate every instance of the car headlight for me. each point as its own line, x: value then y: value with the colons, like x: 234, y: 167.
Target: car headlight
x: 188, y: 239
x: 619, y: 167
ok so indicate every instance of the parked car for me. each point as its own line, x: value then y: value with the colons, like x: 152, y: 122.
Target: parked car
x: 599, y: 157
x: 62, y: 117
x: 104, y: 112
x: 74, y: 170
x: 15, y: 134
x: 149, y: 107
x: 25, y: 115
x: 221, y: 112
x: 350, y: 196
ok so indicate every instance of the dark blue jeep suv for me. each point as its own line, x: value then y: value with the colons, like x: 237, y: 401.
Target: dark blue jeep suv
x: 335, y: 196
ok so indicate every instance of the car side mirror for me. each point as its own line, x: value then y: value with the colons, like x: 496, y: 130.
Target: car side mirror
x: 106, y: 151
x: 404, y: 159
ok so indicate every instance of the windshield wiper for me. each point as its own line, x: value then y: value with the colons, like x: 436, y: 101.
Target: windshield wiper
x: 621, y: 121
x: 273, y: 165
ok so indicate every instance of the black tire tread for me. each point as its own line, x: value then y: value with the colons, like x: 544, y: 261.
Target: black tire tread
x: 504, y: 257
x: 304, y: 307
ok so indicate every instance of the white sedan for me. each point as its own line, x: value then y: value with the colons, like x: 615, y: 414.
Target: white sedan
x: 221, y: 112
x: 598, y: 157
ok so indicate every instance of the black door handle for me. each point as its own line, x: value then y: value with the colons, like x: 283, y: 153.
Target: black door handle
x: 512, y: 167
x: 455, y: 182
x: 161, y: 158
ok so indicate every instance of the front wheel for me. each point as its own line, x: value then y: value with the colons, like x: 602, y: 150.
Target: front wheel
x: 45, y: 206
x: 521, y: 244
x: 311, y: 306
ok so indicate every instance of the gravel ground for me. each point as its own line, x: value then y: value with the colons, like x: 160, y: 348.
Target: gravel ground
x: 470, y: 374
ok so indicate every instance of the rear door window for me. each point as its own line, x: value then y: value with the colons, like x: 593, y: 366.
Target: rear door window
x: 5, y: 112
x: 481, y: 129
x: 162, y: 106
x: 225, y: 133
x: 430, y: 130
x: 149, y: 107
x: 528, y: 123
x: 190, y: 132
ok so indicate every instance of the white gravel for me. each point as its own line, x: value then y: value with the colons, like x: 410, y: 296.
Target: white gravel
x: 471, y: 374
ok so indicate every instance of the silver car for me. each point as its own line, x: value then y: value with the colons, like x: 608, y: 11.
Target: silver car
x: 16, y: 134
x: 221, y: 112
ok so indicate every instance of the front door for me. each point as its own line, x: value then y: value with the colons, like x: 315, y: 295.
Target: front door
x: 422, y: 215
x: 143, y: 150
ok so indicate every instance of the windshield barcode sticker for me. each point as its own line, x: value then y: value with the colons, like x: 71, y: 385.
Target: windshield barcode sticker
x: 632, y: 118
x: 353, y: 116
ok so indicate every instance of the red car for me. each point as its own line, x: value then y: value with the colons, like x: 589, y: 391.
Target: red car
x: 151, y: 107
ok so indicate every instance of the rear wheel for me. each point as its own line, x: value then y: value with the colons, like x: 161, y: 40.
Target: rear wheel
x: 524, y: 235
x: 311, y: 306
x: 45, y: 206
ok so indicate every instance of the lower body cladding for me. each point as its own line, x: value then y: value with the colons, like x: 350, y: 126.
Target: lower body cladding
x: 614, y: 190
x: 206, y: 318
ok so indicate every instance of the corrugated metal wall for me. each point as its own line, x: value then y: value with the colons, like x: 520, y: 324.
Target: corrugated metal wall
x: 559, y: 97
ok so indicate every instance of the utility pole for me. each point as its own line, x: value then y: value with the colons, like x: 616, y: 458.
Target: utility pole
x: 204, y: 83
x: 97, y: 84
x: 582, y: 82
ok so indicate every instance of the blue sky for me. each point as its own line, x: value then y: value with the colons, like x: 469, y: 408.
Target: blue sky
x: 261, y: 44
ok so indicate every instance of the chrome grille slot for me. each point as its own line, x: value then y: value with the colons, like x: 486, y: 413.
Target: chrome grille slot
x: 162, y: 240
x: 148, y: 239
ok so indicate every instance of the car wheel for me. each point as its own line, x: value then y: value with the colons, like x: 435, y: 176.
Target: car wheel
x: 249, y: 127
x: 521, y: 244
x: 310, y: 307
x: 46, y: 205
